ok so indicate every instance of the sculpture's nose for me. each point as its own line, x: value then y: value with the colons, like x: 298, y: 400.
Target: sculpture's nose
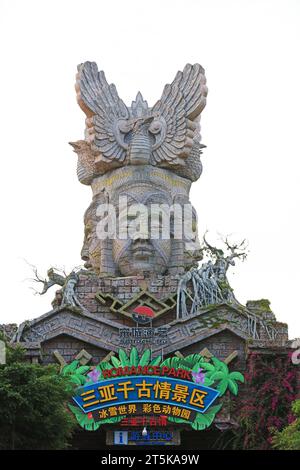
x: 84, y: 253
x: 85, y: 256
x: 142, y: 236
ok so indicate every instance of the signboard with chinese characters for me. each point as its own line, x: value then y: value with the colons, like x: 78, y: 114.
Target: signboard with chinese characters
x: 146, y: 409
x: 142, y: 421
x: 168, y: 393
x: 133, y: 385
x: 147, y: 336
x: 136, y: 437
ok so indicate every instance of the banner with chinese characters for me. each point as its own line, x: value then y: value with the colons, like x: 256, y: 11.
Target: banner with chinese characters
x: 143, y: 419
x: 138, y: 414
x: 149, y: 390
x: 177, y: 389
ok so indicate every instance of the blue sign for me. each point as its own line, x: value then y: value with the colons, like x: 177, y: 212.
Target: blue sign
x: 121, y: 438
x: 145, y: 389
x: 150, y: 436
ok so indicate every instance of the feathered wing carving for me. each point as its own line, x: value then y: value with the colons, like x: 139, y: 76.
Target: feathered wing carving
x: 105, y: 112
x: 167, y: 135
x: 176, y: 124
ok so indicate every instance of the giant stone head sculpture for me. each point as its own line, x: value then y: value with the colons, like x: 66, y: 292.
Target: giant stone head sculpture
x: 150, y: 156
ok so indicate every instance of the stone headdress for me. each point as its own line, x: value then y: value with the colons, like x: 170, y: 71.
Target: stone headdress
x: 166, y: 135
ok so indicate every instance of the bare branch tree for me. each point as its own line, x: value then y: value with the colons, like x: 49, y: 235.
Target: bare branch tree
x: 54, y: 278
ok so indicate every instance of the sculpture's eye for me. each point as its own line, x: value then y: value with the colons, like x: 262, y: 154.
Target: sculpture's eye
x: 155, y: 127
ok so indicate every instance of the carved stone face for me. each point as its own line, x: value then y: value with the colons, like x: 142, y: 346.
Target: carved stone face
x: 85, y: 252
x: 139, y: 252
x: 140, y: 256
x: 145, y: 235
x: 91, y: 249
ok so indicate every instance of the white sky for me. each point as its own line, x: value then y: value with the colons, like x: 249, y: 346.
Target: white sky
x: 250, y: 182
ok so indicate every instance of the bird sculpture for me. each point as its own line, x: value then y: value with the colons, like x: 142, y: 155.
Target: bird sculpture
x: 166, y: 135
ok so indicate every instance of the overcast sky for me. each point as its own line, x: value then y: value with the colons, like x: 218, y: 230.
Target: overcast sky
x: 250, y: 183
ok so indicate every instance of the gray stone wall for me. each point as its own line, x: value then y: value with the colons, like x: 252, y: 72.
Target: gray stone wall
x: 122, y: 288
x: 221, y: 345
x: 69, y: 347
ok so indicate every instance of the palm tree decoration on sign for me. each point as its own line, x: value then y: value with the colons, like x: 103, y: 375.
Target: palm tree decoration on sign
x: 209, y: 372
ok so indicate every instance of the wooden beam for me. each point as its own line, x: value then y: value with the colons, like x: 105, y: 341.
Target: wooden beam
x: 178, y: 354
x: 206, y: 353
x: 108, y: 356
x: 59, y: 359
x: 231, y: 356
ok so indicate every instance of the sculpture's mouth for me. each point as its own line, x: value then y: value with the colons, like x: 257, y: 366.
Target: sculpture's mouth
x: 142, y: 251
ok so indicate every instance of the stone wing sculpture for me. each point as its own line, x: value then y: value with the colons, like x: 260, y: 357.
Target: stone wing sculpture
x: 166, y: 135
x: 175, y: 113
x: 106, y: 113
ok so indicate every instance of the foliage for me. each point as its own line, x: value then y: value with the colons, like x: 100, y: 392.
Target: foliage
x: 227, y: 380
x: 266, y: 408
x: 215, y: 373
x: 33, y: 414
x: 289, y: 437
x: 75, y: 373
x: 14, y: 353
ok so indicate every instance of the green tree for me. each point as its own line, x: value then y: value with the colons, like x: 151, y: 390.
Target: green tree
x: 289, y: 437
x: 33, y: 411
